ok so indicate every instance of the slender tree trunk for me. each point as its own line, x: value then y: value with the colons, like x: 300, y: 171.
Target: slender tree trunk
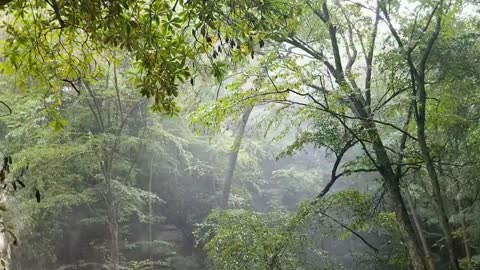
x: 97, y: 105
x: 440, y: 206
x: 150, y: 208
x: 437, y: 196
x: 112, y: 214
x: 113, y: 228
x: 392, y: 186
x: 360, y: 107
x: 5, y: 251
x: 232, y: 159
x: 108, y: 107
x: 106, y: 167
x: 421, y: 235
x: 420, y: 101
x: 465, y: 233
x: 117, y: 91
x: 417, y: 257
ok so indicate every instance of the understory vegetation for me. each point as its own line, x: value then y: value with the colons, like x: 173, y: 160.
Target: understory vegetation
x: 238, y: 135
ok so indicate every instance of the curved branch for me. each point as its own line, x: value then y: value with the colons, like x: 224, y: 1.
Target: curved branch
x: 350, y: 230
x: 8, y: 107
x: 431, y: 41
x: 338, y: 160
x: 314, y: 53
x: 369, y: 61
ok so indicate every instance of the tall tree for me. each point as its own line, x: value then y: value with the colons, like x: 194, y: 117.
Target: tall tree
x: 232, y: 156
x: 418, y: 226
x: 328, y: 84
x: 417, y: 66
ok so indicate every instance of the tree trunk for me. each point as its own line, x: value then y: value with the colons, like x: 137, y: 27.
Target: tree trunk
x: 464, y: 232
x: 113, y: 228
x: 232, y: 159
x: 360, y: 108
x: 150, y: 208
x: 432, y: 174
x: 421, y: 235
x: 417, y: 257
x: 440, y: 206
x: 106, y: 167
x: 5, y: 251
x: 392, y: 187
x: 117, y: 91
x: 112, y: 213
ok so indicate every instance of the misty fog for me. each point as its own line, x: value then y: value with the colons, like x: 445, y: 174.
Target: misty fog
x: 238, y: 135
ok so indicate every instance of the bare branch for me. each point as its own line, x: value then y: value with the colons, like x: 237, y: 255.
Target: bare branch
x: 403, y: 143
x: 350, y: 230
x: 369, y: 61
x: 8, y: 108
x: 430, y: 43
x: 56, y: 10
x: 314, y: 53
x: 339, y: 156
x: 385, y: 102
x: 382, y: 6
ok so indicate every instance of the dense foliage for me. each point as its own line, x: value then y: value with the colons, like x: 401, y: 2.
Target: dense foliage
x: 265, y: 134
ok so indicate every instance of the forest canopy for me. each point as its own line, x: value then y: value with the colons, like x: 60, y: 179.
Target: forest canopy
x: 245, y: 134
